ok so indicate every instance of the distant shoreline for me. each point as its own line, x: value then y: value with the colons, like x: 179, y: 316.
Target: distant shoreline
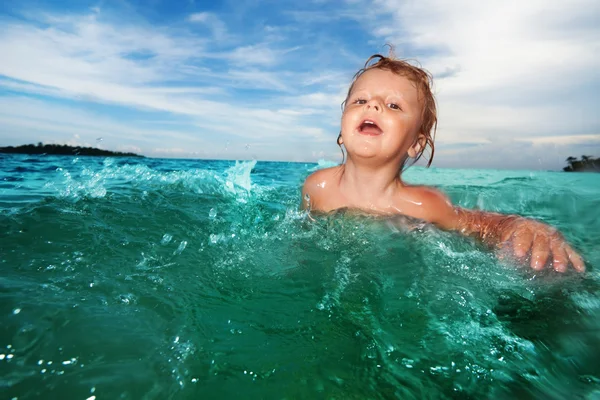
x: 63, y: 150
x: 586, y: 164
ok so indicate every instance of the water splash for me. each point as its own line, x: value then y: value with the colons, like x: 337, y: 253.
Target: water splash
x: 322, y: 163
x: 238, y: 179
x: 91, y: 184
x: 77, y: 182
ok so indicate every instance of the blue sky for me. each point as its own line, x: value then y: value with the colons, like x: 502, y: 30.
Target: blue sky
x: 517, y: 82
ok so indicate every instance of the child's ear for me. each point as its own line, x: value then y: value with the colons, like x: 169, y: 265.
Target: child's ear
x: 340, y: 141
x: 417, y: 146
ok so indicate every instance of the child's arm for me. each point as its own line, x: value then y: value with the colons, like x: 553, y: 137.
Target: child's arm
x: 499, y: 230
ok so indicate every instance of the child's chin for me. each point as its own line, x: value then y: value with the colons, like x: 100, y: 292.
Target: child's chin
x: 367, y: 155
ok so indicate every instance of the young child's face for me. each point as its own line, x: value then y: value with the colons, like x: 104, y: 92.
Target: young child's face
x: 382, y: 117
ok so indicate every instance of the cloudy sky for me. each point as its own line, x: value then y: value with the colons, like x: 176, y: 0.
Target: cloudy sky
x: 517, y: 82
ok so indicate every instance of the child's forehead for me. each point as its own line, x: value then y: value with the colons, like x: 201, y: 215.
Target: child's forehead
x: 384, y: 79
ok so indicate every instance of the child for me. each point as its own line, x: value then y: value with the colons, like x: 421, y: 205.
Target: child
x: 389, y: 116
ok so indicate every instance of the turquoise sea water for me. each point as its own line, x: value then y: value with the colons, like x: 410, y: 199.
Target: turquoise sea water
x: 189, y: 279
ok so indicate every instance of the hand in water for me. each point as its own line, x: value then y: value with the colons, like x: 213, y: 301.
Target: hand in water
x: 544, y: 243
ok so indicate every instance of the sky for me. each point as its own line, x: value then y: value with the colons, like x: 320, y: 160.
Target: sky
x: 517, y: 82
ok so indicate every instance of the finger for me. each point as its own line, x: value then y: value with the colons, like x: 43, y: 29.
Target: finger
x: 576, y: 260
x: 507, y: 234
x: 504, y: 250
x: 539, y: 252
x: 560, y: 259
x: 522, y: 241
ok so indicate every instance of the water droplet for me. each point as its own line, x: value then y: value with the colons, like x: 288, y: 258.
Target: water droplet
x: 126, y: 299
x: 16, y: 311
x: 212, y: 214
x: 166, y: 238
x: 181, y: 247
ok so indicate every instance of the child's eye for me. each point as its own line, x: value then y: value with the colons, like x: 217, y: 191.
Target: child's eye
x: 394, y: 106
x: 360, y: 101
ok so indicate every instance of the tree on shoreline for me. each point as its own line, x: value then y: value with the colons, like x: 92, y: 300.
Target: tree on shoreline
x: 585, y: 164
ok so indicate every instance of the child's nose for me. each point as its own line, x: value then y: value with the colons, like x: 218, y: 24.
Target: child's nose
x: 373, y: 104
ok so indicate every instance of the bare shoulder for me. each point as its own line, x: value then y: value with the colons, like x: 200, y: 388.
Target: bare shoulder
x: 427, y: 195
x: 319, y: 185
x: 430, y: 204
x: 323, y: 174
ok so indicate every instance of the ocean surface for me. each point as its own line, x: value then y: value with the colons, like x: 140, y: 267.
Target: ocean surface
x: 193, y: 279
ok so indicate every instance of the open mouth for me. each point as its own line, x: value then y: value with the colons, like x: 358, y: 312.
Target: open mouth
x: 368, y: 127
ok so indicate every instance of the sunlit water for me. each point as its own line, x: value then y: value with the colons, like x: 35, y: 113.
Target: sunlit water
x: 158, y: 279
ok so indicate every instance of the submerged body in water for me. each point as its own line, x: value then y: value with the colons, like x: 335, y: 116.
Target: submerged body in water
x: 146, y: 278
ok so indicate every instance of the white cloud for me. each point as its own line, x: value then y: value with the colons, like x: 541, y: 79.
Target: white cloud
x: 129, y: 149
x: 174, y: 151
x: 561, y: 140
x: 218, y: 27
x: 253, y: 55
x: 20, y: 114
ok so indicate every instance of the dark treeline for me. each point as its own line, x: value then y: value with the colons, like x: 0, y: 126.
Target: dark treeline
x: 58, y: 149
x: 585, y: 164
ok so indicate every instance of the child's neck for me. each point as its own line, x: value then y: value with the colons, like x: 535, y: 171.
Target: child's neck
x: 369, y: 185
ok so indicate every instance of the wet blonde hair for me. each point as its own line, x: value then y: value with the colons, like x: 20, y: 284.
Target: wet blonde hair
x: 424, y: 84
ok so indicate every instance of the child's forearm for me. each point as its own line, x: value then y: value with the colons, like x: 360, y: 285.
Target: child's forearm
x: 527, y: 237
x: 490, y: 228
